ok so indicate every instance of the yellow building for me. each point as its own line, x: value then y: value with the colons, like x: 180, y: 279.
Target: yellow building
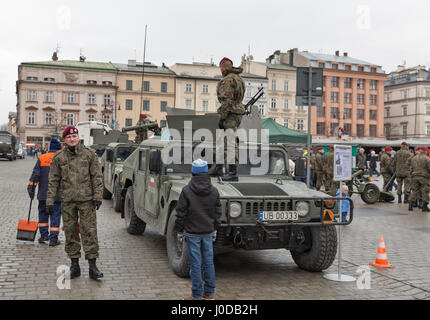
x: 158, y: 93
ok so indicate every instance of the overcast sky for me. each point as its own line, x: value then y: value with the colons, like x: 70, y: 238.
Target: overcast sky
x: 384, y: 32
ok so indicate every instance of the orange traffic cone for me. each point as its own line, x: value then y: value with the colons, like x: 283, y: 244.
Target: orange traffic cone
x: 381, y: 258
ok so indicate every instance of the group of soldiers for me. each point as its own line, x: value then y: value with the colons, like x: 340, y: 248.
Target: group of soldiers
x: 412, y: 174
x: 322, y: 170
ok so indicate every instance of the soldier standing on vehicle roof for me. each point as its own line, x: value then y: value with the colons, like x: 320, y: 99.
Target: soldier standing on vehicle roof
x: 400, y: 165
x: 230, y: 92
x: 76, y: 170
x: 141, y: 133
x: 420, y: 173
x: 387, y: 166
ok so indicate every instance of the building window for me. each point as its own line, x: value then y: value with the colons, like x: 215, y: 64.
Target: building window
x: 286, y: 122
x: 31, y: 95
x: 372, y: 130
x: 405, y: 94
x: 106, y: 119
x: 335, y: 82
x: 249, y: 93
x: 273, y: 104
x: 205, y: 106
x: 347, y: 67
x: 428, y: 109
x: 320, y: 128
x: 163, y: 86
x: 320, y: 112
x: 107, y: 100
x: 286, y: 104
x: 31, y: 119
x: 404, y: 130
x: 334, y: 113
x: 372, y: 115
x: 145, y: 105
x: 360, y: 98
x: 347, y: 112
x: 347, y: 128
x: 129, y: 85
x: 163, y: 106
x: 91, y: 117
x: 360, y: 130
x: 188, y: 87
x: 347, y: 97
x: 188, y: 103
x: 286, y: 85
x: 48, y: 118
x: 49, y: 96
x: 360, y: 69
x: 387, y: 112
x: 387, y: 130
x: 273, y: 85
x: 427, y: 93
x: 70, y: 97
x: 91, y: 98
x: 128, y: 104
x: 360, y: 84
x: 128, y: 122
x: 334, y: 129
x: 70, y: 119
x: 262, y: 110
x: 348, y: 83
x: 300, y: 108
x: 372, y: 100
x: 206, y: 89
x: 334, y: 96
x: 32, y: 79
x: 360, y: 114
x: 300, y: 125
x: 405, y: 110
x: 146, y: 86
x: 428, y: 129
x: 334, y: 66
x: 321, y: 65
x: 372, y: 84
x: 373, y: 69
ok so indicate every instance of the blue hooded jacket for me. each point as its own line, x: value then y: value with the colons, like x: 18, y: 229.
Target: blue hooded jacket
x: 345, y: 203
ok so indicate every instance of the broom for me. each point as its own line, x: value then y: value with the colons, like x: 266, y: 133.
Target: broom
x: 27, y: 229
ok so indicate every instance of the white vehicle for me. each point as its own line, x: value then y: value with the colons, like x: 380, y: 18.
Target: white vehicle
x: 86, y: 131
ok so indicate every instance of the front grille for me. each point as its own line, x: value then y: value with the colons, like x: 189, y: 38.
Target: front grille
x: 254, y: 208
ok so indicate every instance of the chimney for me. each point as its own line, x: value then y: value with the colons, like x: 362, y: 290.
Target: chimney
x: 345, y: 54
x: 337, y: 53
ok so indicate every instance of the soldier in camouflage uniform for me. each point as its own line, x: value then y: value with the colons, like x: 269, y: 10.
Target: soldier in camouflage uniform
x: 319, y: 168
x: 230, y: 92
x: 400, y: 165
x: 313, y: 168
x: 332, y: 186
x: 76, y: 171
x: 141, y: 133
x: 387, y: 166
x: 420, y: 175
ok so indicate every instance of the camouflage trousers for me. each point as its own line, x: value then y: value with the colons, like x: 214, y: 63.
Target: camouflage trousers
x: 320, y: 180
x: 333, y: 187
x: 231, y: 148
x: 387, y: 177
x: 327, y: 181
x: 406, y: 181
x: 85, y: 213
x: 420, y: 185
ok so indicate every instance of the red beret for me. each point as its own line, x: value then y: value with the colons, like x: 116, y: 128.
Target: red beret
x: 320, y: 148
x: 388, y: 149
x: 404, y: 144
x: 225, y: 59
x: 331, y: 148
x: 70, y: 130
x: 143, y: 116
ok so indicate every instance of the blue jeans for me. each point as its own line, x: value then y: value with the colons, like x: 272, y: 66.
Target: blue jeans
x: 344, y: 216
x: 44, y: 221
x: 373, y: 170
x: 200, y: 251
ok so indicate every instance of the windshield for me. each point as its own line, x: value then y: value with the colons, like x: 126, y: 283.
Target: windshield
x: 4, y: 139
x: 276, y: 166
x: 124, y: 152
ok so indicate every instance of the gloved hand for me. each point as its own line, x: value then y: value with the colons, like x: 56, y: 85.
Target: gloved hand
x: 30, y: 190
x: 214, y: 236
x: 50, y: 210
x: 97, y: 204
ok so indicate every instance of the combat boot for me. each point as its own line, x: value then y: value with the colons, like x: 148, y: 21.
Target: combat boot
x: 75, y: 269
x: 411, y: 206
x: 95, y: 273
x: 424, y: 207
x: 216, y: 170
x: 232, y: 174
x: 400, y: 198
x: 406, y: 199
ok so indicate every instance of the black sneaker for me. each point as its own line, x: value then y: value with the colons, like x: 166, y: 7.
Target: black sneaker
x: 54, y: 243
x: 43, y: 240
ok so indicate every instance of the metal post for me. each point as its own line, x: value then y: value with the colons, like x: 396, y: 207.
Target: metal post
x: 308, y: 157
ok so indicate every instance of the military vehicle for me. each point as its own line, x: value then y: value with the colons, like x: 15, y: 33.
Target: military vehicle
x: 8, y: 146
x: 111, y: 163
x: 266, y: 211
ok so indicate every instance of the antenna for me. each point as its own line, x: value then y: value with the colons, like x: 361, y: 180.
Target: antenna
x: 143, y: 70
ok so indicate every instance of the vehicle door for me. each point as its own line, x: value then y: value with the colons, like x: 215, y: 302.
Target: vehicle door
x: 140, y: 179
x: 153, y: 183
x: 108, y: 168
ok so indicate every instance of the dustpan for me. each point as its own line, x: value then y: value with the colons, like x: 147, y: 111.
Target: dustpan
x: 27, y: 229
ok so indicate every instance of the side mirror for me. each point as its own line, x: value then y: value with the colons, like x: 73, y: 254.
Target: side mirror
x: 155, y: 161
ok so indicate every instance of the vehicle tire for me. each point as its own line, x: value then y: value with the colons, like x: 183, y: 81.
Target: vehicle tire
x: 322, y: 252
x: 133, y: 224
x: 117, y: 199
x: 106, y: 194
x: 370, y: 194
x: 177, y: 253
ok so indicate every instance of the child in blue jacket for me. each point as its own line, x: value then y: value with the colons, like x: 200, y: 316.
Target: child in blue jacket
x: 345, y: 203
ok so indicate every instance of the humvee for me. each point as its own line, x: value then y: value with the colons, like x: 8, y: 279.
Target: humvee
x: 111, y: 164
x: 270, y: 211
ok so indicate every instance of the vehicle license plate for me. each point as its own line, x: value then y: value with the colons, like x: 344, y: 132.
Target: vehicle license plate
x: 279, y: 216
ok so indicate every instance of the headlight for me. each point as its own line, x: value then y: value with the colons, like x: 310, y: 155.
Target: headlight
x: 302, y: 208
x: 235, y: 209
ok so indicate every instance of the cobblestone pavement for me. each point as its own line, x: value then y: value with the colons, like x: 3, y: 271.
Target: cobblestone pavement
x: 135, y: 267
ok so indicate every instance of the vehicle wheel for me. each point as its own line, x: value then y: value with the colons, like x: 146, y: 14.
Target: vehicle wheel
x: 133, y: 224
x: 177, y: 253
x: 370, y: 194
x: 322, y: 251
x: 117, y: 199
x: 106, y: 194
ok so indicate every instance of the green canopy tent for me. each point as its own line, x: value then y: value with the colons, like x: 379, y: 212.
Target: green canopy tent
x: 280, y: 134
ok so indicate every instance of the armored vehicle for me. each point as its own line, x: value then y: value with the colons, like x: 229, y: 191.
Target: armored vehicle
x: 111, y: 163
x: 261, y: 211
x: 8, y: 145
